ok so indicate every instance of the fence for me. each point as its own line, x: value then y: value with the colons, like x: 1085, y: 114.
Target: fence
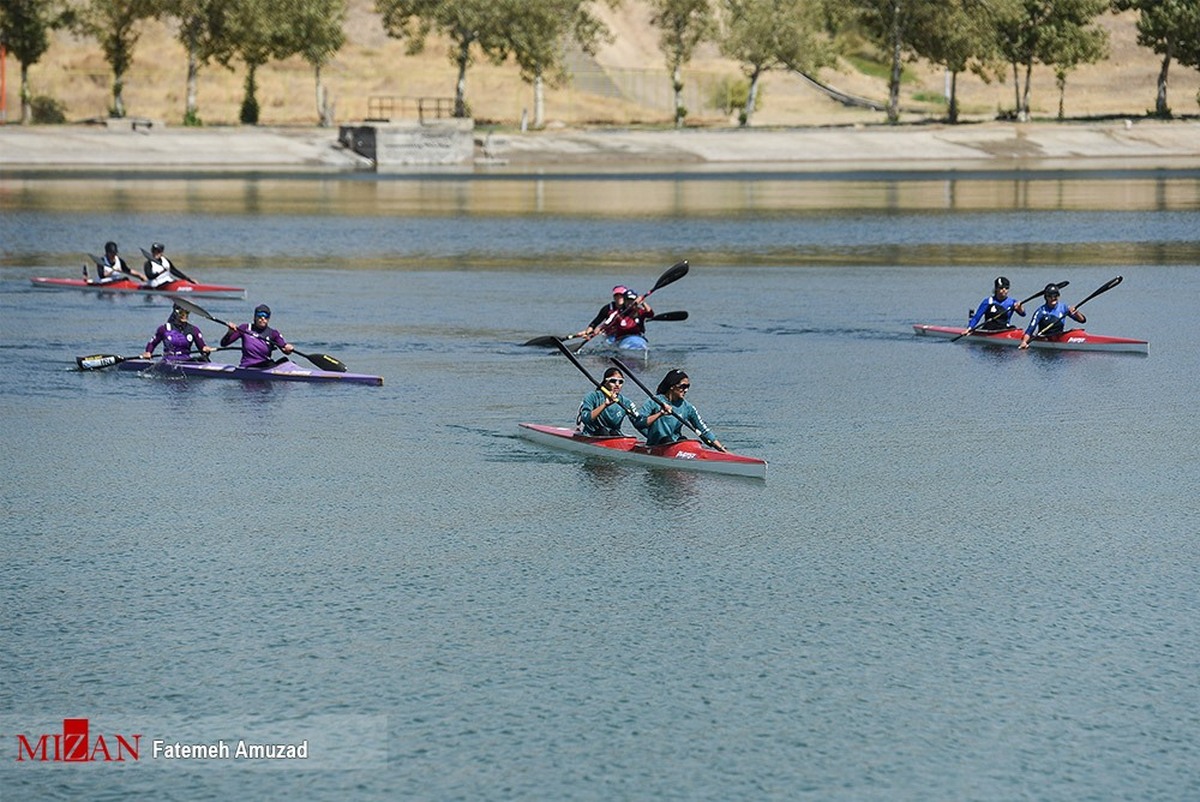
x: 390, y: 107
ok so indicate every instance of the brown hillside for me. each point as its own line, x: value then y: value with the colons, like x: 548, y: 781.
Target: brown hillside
x: 371, y: 64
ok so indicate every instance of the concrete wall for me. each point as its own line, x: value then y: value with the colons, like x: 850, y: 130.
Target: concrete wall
x: 401, y: 144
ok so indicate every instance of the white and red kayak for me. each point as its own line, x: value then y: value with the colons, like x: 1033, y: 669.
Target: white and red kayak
x: 1069, y: 340
x: 181, y: 287
x: 688, y: 455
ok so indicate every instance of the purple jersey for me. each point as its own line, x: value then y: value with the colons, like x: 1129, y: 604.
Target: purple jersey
x: 256, y: 345
x: 177, y: 339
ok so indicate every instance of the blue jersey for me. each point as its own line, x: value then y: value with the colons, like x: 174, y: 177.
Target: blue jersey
x: 608, y: 422
x: 668, y: 428
x: 1049, y: 319
x: 996, y: 313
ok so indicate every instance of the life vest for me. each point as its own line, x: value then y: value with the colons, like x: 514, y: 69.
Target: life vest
x: 158, y: 273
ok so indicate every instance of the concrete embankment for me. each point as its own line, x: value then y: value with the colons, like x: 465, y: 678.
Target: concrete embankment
x: 992, y: 146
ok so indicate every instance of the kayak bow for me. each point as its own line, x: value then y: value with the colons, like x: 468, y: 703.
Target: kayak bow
x: 127, y: 286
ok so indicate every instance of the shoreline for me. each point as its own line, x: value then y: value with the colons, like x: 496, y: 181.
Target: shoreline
x: 993, y: 146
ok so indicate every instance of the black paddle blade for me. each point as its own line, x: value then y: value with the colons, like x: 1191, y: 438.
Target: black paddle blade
x: 668, y: 316
x: 671, y: 274
x: 1107, y: 286
x: 325, y: 362
x: 98, y: 361
x: 543, y: 342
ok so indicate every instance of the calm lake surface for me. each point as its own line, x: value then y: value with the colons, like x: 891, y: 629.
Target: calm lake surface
x: 969, y: 575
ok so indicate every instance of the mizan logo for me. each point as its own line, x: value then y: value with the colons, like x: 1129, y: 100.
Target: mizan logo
x: 75, y: 745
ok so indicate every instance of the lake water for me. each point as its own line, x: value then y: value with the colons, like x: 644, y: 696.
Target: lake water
x: 969, y: 575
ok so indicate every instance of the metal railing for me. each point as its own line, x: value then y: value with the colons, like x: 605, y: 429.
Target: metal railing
x: 391, y: 107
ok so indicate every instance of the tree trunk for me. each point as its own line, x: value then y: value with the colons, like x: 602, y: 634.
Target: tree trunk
x: 190, y: 115
x: 460, y: 86
x: 539, y: 103
x: 1160, y: 102
x: 26, y: 97
x: 1024, y: 116
x: 118, y: 109
x: 677, y: 85
x: 953, y: 114
x: 1061, y: 80
x: 751, y: 99
x: 893, y: 107
x: 323, y: 115
x: 1016, y: 91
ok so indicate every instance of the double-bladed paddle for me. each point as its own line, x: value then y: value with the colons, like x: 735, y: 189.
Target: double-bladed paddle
x: 663, y: 406
x: 1000, y: 314
x: 150, y: 258
x: 322, y: 361
x: 1108, y: 285
x: 599, y: 385
x: 100, y: 361
x: 669, y: 276
x: 549, y: 339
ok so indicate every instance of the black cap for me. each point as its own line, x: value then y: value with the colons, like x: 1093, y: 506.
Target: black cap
x: 110, y: 247
x: 1002, y: 283
x: 674, y: 376
x: 1051, y: 289
x: 157, y: 246
x: 262, y: 309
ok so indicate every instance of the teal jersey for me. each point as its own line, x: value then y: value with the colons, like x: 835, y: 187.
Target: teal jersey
x: 608, y: 422
x: 668, y: 428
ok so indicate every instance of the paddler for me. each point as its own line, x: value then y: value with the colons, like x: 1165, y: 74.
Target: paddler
x: 1049, y: 318
x: 662, y: 427
x: 158, y: 268
x: 995, y: 311
x: 258, y: 339
x: 112, y: 267
x: 603, y: 409
x: 625, y: 315
x: 177, y: 336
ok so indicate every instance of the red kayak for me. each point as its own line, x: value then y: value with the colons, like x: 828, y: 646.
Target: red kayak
x: 125, y: 285
x: 1069, y: 340
x: 688, y: 455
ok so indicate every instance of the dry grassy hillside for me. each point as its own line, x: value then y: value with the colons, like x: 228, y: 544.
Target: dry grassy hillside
x: 371, y: 64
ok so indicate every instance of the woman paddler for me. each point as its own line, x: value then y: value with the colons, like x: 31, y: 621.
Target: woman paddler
x: 603, y: 409
x: 662, y: 427
x: 177, y: 336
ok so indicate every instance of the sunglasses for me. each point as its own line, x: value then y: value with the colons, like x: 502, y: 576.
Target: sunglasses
x: 615, y: 381
x: 684, y: 386
x: 261, y: 315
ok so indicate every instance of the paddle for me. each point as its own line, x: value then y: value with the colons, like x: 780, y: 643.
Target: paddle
x: 150, y: 258
x: 100, y: 264
x: 669, y: 276
x: 1108, y: 285
x: 599, y: 385
x: 549, y: 339
x: 663, y: 406
x: 100, y: 361
x: 322, y: 361
x: 1001, y: 313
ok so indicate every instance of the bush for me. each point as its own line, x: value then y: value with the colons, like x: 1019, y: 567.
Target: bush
x: 47, y: 111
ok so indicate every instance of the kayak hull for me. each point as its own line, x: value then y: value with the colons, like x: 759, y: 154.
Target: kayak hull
x: 185, y: 288
x: 688, y: 455
x: 1069, y: 340
x: 283, y: 371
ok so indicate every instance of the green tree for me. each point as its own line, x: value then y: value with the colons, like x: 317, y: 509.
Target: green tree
x: 683, y: 24
x: 959, y: 36
x: 202, y: 32
x: 116, y: 25
x: 1171, y: 28
x: 469, y: 24
x: 1050, y: 32
x: 535, y: 34
x: 319, y: 32
x: 255, y: 32
x: 764, y: 35
x: 24, y: 32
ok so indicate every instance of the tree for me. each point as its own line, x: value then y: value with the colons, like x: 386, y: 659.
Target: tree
x: 1050, y: 32
x: 319, y: 33
x: 773, y: 34
x: 256, y: 31
x: 202, y: 31
x: 535, y: 32
x: 684, y: 24
x: 1169, y: 28
x: 24, y: 32
x: 959, y: 36
x: 115, y: 25
x: 469, y: 24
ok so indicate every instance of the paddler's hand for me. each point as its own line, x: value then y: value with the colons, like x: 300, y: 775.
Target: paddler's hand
x: 1024, y: 344
x: 287, y: 349
x: 145, y: 354
x: 231, y: 327
x: 206, y: 350
x: 717, y: 445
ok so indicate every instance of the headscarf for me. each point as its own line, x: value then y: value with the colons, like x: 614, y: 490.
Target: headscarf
x: 674, y: 376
